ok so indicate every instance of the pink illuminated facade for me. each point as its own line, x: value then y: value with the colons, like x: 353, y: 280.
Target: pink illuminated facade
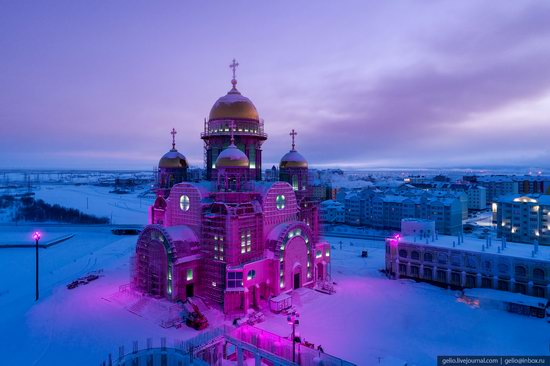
x: 233, y: 238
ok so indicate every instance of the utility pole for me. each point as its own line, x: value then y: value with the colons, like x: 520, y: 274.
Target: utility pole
x: 36, y: 237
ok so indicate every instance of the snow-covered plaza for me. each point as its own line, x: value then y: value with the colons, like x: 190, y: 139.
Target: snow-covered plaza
x: 369, y: 320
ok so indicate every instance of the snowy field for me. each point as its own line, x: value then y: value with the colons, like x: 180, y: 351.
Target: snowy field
x: 369, y: 318
x: 96, y: 200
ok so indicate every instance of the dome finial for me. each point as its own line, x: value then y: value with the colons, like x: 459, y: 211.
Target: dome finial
x: 293, y: 135
x: 173, y: 133
x: 233, y: 66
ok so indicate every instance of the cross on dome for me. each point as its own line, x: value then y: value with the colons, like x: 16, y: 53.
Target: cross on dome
x: 293, y: 135
x: 233, y: 66
x: 173, y: 133
x: 232, y: 130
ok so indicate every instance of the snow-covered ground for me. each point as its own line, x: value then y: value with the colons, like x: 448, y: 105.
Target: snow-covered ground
x: 96, y: 200
x: 368, y: 317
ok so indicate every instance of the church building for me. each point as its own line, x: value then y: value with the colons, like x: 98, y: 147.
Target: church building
x: 233, y: 239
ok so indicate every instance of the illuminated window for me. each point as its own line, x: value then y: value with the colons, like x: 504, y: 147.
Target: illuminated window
x: 318, y: 254
x: 280, y: 201
x: 189, y: 274
x: 234, y: 279
x: 184, y: 202
x: 251, y: 274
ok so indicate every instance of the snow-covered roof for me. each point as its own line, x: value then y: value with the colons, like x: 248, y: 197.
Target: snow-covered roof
x: 505, y: 296
x: 541, y: 199
x: 181, y: 233
x: 476, y: 245
x: 188, y: 258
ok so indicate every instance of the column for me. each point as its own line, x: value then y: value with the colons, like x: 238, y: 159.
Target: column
x: 463, y: 279
x: 478, y: 280
x: 495, y: 281
x: 434, y: 274
x: 240, y: 356
x: 530, y: 288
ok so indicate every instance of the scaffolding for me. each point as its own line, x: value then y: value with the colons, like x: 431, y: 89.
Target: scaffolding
x: 213, y: 251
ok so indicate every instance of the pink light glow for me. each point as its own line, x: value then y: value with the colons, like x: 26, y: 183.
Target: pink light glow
x: 36, y: 235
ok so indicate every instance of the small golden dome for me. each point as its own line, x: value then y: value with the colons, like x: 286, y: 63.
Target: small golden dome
x: 234, y: 106
x: 232, y: 157
x: 173, y: 159
x: 293, y: 159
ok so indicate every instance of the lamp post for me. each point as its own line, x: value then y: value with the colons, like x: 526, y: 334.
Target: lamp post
x: 36, y: 237
x: 293, y: 320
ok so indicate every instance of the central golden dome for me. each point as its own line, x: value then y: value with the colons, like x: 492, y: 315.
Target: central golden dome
x: 234, y: 106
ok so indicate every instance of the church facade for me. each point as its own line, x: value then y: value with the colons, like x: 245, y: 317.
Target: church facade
x: 233, y: 238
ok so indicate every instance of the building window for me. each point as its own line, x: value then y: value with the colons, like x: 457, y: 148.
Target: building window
x: 520, y: 271
x: 428, y: 257
x: 280, y: 201
x: 295, y: 182
x: 251, y: 275
x: 415, y: 255
x: 190, y: 274
x: 246, y: 241
x: 402, y: 253
x: 234, y: 279
x: 538, y: 274
x: 184, y: 202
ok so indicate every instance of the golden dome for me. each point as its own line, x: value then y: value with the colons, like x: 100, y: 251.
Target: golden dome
x: 233, y: 106
x: 293, y: 159
x: 173, y: 159
x: 232, y: 157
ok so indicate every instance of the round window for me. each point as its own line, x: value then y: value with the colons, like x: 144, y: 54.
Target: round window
x: 184, y: 202
x: 280, y: 201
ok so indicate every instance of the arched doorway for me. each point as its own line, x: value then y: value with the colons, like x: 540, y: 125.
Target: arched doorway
x: 152, y: 268
x: 295, y: 263
x: 320, y: 271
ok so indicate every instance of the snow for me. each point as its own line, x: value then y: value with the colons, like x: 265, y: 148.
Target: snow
x: 471, y: 244
x: 96, y: 200
x: 369, y: 320
x: 370, y: 316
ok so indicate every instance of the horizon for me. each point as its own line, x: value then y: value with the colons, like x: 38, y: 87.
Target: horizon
x: 459, y: 84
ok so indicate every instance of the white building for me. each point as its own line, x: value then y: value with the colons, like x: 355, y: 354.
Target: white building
x: 477, y: 198
x: 523, y: 218
x: 469, y: 263
x: 332, y: 212
x: 497, y: 186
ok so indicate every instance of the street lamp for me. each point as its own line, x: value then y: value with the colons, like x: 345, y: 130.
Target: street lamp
x: 293, y: 319
x: 36, y: 237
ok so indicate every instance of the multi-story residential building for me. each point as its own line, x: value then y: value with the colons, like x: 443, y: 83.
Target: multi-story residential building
x: 523, y: 218
x: 468, y: 262
x: 533, y: 184
x: 497, y: 186
x: 477, y: 197
x: 332, y: 212
x: 389, y: 210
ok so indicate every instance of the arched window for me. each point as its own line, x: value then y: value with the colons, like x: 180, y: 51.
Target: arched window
x: 415, y: 255
x: 428, y: 257
x: 538, y: 274
x: 280, y: 201
x: 184, y: 202
x: 251, y: 275
x: 520, y: 271
x: 295, y: 182
x: 402, y: 253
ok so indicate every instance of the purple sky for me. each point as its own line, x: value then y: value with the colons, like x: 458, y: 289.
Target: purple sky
x: 367, y: 84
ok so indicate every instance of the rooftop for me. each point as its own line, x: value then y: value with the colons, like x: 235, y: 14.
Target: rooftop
x: 475, y: 245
